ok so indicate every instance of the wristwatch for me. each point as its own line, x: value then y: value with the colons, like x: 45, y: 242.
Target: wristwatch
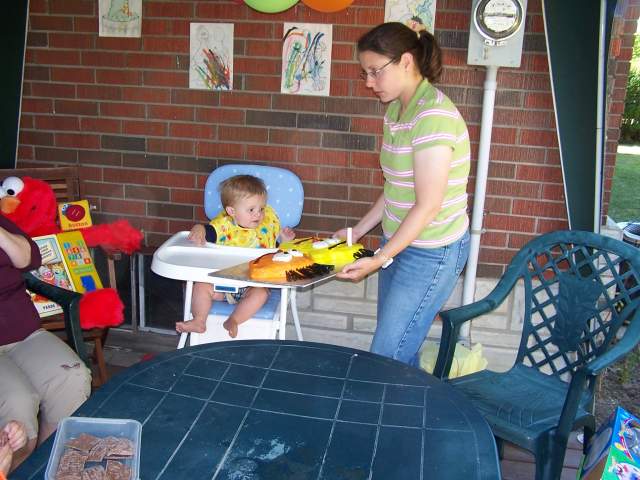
x: 387, y: 261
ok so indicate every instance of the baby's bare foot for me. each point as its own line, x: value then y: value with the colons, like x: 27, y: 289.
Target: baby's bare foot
x: 231, y: 327
x: 191, y: 326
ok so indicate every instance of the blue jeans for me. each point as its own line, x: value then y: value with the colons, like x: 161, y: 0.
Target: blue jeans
x: 411, y: 291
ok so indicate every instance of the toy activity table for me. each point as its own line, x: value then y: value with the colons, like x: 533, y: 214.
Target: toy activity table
x: 226, y: 268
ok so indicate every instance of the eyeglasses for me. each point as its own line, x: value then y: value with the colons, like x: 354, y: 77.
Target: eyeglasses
x: 374, y: 74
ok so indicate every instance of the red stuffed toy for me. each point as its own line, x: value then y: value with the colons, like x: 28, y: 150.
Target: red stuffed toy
x: 31, y: 204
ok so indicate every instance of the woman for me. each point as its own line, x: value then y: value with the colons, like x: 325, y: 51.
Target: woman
x: 43, y: 380
x: 425, y: 159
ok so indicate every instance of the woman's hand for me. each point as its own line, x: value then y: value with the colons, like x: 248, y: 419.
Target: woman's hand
x: 359, y: 269
x: 17, y: 435
x: 287, y: 234
x: 342, y: 233
x: 198, y: 235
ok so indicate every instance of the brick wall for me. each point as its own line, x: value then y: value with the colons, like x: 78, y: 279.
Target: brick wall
x: 120, y: 109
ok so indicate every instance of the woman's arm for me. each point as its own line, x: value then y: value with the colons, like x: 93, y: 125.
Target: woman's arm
x: 431, y: 175
x: 372, y: 218
x: 17, y: 248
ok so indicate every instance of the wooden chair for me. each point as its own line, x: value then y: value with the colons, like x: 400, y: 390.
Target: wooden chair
x: 66, y: 185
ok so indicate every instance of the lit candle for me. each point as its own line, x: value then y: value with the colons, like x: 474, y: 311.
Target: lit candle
x: 349, y: 236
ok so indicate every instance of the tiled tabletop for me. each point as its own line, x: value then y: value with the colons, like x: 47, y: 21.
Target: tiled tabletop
x: 269, y: 409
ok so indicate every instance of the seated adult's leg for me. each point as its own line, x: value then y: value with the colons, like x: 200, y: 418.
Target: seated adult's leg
x: 251, y: 302
x: 18, y: 401
x: 201, y: 300
x: 61, y: 379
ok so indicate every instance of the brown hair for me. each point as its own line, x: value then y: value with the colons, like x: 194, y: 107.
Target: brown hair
x: 240, y: 186
x: 393, y: 39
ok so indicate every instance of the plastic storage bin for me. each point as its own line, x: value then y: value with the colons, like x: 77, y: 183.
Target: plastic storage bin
x: 72, y: 427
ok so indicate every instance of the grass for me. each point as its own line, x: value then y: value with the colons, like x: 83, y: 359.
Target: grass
x: 625, y: 191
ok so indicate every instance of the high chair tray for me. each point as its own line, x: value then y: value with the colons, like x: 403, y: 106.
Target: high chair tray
x: 180, y: 259
x: 239, y: 275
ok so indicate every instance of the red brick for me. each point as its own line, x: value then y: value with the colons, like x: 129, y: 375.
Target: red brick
x: 365, y: 160
x: 494, y: 239
x: 84, y: 24
x: 192, y: 130
x: 146, y: 95
x: 166, y: 79
x: 262, y: 83
x: 254, y: 30
x: 496, y: 255
x: 56, y: 57
x: 220, y: 115
x: 104, y: 125
x: 217, y: 10
x: 101, y: 158
x: 142, y: 127
x: 542, y: 138
x: 77, y: 140
x: 245, y: 100
x: 119, y: 77
x: 123, y: 207
x: 51, y: 22
x: 257, y: 66
x: 70, y: 40
x: 160, y: 44
x: 538, y: 208
x: 243, y: 134
x: 118, y: 44
x: 171, y: 179
x: 513, y: 189
x: 538, y: 100
x: 72, y: 74
x: 122, y: 109
x: 518, y: 241
x: 194, y: 97
x: 27, y: 122
x: 57, y: 122
x: 452, y: 21
x: 125, y: 175
x: 178, y: 147
x: 183, y: 225
x: 216, y: 150
x: 104, y: 189
x: 73, y: 7
x: 103, y: 59
x: 545, y: 226
x: 37, y: 105
x: 167, y: 9
x: 269, y: 153
x: 53, y: 90
x: 192, y: 197
x: 356, y: 176
x: 303, y: 138
x: 166, y: 112
x: 99, y: 92
x: 151, y: 60
x: 539, y: 173
x: 323, y: 156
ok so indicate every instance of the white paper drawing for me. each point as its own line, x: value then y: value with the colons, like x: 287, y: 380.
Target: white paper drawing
x: 120, y: 18
x: 306, y: 59
x: 416, y: 14
x: 211, y: 48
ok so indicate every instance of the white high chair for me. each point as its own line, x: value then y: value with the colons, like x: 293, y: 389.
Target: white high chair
x: 286, y: 195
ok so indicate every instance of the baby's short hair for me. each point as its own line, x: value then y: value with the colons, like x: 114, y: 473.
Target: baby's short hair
x: 240, y: 186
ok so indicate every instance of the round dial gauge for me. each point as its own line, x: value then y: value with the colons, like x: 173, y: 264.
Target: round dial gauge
x: 498, y: 19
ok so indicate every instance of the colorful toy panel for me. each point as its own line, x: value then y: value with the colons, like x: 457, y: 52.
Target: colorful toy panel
x: 614, y: 451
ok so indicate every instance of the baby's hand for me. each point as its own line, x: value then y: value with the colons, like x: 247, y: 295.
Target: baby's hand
x: 198, y: 234
x: 17, y: 435
x: 287, y: 234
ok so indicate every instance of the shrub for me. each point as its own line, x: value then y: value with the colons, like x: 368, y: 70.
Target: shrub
x: 630, y: 128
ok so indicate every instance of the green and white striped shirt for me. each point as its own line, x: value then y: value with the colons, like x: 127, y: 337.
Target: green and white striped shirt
x: 430, y: 119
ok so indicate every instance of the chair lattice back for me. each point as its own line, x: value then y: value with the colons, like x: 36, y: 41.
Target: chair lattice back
x: 580, y: 289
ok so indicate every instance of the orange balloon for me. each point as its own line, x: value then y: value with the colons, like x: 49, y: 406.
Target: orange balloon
x: 327, y: 6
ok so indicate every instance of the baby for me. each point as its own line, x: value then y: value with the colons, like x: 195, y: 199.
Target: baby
x: 246, y: 221
x: 12, y: 438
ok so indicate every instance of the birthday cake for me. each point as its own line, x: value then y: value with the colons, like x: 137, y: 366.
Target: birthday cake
x: 287, y: 265
x: 328, y: 251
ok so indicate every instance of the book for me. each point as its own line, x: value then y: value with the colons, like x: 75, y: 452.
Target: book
x: 53, y: 271
x: 79, y: 262
x: 74, y: 215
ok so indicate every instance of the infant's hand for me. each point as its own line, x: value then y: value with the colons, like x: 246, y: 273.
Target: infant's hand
x: 198, y: 235
x: 6, y: 455
x: 287, y: 234
x: 17, y: 435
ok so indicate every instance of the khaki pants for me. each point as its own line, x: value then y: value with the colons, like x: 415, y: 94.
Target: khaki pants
x: 41, y: 380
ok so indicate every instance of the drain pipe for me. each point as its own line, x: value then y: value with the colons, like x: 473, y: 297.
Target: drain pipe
x: 469, y: 283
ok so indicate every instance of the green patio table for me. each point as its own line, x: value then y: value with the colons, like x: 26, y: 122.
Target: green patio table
x: 273, y: 409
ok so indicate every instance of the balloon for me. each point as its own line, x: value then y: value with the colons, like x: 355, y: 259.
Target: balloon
x: 327, y: 6
x: 271, y: 6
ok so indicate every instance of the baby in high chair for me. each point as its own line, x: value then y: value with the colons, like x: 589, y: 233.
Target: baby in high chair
x: 245, y: 221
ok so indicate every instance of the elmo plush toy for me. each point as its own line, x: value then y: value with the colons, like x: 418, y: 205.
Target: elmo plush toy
x: 31, y: 204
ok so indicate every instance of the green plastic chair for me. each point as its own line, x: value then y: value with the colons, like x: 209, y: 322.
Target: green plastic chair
x: 581, y: 299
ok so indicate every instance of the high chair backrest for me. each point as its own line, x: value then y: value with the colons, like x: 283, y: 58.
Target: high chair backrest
x: 284, y: 190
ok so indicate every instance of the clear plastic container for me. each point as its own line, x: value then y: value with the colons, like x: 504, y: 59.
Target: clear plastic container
x: 72, y: 427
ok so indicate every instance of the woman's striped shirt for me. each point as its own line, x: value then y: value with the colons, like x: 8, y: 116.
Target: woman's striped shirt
x: 430, y: 119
